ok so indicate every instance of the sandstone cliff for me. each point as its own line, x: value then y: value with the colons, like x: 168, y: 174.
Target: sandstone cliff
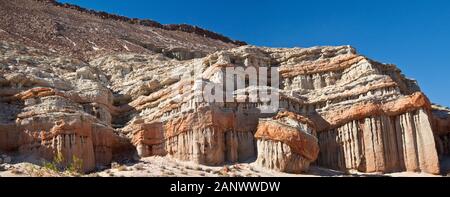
x: 101, y: 87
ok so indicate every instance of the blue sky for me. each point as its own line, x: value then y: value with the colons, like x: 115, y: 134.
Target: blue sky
x: 413, y: 34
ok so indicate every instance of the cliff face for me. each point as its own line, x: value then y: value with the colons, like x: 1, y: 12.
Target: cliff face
x: 101, y: 88
x: 441, y: 123
x: 48, y: 107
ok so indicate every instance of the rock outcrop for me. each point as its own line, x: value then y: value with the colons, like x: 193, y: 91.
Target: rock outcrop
x: 287, y: 143
x: 382, y: 143
x: 341, y: 92
x: 209, y: 136
x: 149, y: 23
x: 48, y: 109
x: 441, y: 128
x: 99, y: 87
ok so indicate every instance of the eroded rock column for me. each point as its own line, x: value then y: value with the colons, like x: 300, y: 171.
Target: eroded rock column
x: 382, y: 144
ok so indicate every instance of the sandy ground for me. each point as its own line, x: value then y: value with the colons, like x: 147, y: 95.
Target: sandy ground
x: 168, y: 167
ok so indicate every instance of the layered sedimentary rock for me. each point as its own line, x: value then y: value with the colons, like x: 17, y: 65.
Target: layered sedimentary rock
x: 148, y: 138
x: 441, y: 128
x: 389, y: 140
x: 100, y: 87
x: 333, y: 87
x: 48, y: 107
x: 370, y: 118
x: 287, y: 143
x: 208, y: 136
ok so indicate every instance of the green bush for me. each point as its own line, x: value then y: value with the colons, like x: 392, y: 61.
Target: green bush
x: 60, y: 165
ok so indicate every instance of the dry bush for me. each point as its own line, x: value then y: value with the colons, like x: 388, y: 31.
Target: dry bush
x: 122, y: 168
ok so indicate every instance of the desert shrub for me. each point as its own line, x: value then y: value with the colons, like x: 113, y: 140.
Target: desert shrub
x: 59, y: 165
x: 76, y: 166
x: 122, y: 168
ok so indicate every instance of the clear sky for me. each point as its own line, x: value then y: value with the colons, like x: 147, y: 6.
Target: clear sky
x: 413, y: 34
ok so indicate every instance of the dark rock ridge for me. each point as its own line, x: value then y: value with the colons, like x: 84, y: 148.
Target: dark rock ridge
x: 84, y: 35
x: 150, y: 23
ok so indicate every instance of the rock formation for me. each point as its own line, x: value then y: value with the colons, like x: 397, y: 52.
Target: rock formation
x: 287, y: 143
x: 441, y: 128
x: 390, y: 140
x: 47, y: 109
x: 101, y: 87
